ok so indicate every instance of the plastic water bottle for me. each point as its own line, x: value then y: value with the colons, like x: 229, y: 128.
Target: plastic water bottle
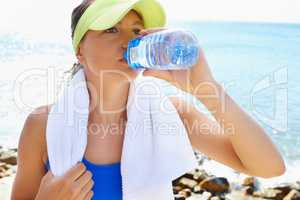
x: 163, y: 50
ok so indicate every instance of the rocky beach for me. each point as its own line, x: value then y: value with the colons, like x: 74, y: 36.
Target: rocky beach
x: 202, y: 185
x: 8, y: 167
x: 198, y: 184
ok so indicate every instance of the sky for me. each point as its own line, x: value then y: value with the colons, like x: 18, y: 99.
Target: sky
x: 235, y: 10
x: 52, y: 18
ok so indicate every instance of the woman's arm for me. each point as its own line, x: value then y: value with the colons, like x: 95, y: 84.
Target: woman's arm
x: 234, y: 139
x: 32, y: 181
x: 31, y: 149
x: 244, y: 146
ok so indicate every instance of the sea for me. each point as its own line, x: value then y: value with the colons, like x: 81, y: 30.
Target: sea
x: 257, y: 63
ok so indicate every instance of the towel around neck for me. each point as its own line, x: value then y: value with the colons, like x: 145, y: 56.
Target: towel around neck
x: 156, y: 147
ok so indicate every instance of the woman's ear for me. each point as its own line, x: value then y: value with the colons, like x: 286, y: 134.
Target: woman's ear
x: 79, y: 55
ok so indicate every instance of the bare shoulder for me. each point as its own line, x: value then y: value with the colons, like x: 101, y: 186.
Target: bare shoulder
x: 31, y: 154
x: 38, y: 117
x: 35, y: 128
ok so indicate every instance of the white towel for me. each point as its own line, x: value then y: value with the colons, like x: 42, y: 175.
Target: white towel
x: 156, y: 147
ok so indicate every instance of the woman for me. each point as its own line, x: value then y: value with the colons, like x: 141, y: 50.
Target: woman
x: 241, y: 143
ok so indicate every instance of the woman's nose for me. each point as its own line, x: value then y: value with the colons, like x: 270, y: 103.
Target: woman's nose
x: 128, y: 36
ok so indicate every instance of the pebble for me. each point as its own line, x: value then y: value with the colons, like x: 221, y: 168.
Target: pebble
x: 215, y: 184
x: 9, y: 157
x: 292, y: 195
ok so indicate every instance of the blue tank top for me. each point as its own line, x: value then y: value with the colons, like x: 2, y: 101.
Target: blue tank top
x: 107, y: 180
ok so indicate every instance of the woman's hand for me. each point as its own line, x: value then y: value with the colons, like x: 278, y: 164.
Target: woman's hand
x: 75, y: 184
x: 192, y: 80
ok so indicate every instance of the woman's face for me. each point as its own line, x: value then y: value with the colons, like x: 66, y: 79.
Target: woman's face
x: 103, y: 50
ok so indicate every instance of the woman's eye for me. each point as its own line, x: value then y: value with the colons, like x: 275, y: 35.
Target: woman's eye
x: 114, y: 30
x: 137, y: 31
x: 111, y: 30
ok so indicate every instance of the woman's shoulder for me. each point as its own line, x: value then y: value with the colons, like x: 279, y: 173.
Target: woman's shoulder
x: 36, y: 122
x: 35, y: 129
x: 31, y: 152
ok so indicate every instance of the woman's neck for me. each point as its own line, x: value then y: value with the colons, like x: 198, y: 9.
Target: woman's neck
x: 108, y: 99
